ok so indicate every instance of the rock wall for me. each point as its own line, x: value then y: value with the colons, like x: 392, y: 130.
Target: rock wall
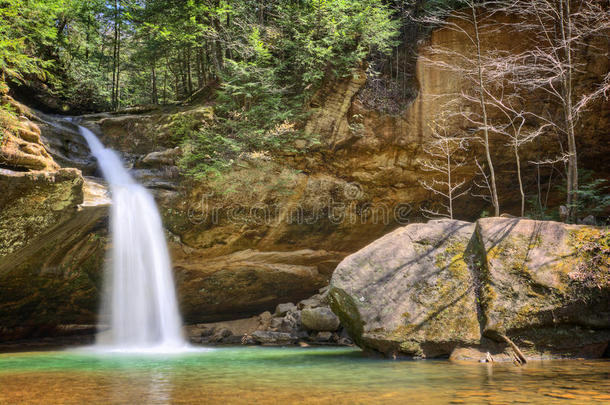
x: 383, y: 153
x: 452, y: 288
x: 52, y: 236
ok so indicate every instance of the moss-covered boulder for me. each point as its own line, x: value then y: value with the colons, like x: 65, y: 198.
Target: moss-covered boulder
x: 536, y: 288
x: 544, y: 284
x: 410, y: 292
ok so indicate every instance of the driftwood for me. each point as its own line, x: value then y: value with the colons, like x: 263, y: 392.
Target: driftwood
x: 519, y: 357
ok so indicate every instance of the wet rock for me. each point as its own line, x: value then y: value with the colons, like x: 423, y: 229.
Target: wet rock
x: 273, y: 338
x: 282, y: 309
x: 319, y: 319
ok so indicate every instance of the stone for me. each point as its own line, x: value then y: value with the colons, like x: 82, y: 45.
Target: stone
x: 167, y: 157
x: 452, y: 288
x: 273, y: 338
x: 311, y: 302
x: 223, y: 332
x: 530, y: 276
x: 220, y: 335
x: 323, y: 336
x: 410, y: 291
x: 265, y: 320
x: 276, y: 323
x: 282, y: 309
x: 345, y: 342
x: 588, y: 220
x: 319, y: 319
x: 52, y: 249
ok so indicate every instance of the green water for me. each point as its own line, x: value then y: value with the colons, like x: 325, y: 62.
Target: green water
x: 290, y: 375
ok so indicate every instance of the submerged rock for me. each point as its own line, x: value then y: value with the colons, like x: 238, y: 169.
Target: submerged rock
x: 426, y: 290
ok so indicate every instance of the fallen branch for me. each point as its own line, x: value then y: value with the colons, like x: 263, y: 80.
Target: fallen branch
x: 518, y: 354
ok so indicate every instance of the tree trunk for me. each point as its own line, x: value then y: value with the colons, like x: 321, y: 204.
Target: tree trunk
x: 114, y: 52
x: 492, y: 175
x: 118, y: 69
x: 572, y: 180
x: 199, y: 64
x: 189, y: 77
x: 154, y: 98
x: 518, y: 160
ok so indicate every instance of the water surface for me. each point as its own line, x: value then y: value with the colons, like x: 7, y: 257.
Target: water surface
x: 289, y: 376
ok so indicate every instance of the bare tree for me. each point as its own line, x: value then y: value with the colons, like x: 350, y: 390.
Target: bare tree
x: 518, y: 125
x: 446, y: 154
x: 561, y: 30
x: 468, y: 22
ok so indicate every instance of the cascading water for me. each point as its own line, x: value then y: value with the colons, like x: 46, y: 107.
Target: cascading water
x: 139, y: 293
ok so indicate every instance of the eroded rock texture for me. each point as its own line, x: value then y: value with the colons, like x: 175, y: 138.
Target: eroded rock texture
x: 428, y: 290
x: 52, y: 240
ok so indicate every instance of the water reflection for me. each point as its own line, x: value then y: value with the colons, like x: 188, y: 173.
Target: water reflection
x: 291, y: 376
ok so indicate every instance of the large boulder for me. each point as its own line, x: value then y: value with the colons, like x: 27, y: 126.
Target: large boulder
x: 409, y: 292
x: 544, y: 284
x: 428, y: 289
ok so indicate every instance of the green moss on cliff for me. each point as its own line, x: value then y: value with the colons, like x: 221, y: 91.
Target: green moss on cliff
x: 591, y: 248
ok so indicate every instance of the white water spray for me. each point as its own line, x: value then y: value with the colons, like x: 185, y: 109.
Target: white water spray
x: 139, y: 293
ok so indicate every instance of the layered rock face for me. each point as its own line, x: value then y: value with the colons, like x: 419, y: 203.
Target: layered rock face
x: 384, y: 153
x: 455, y: 288
x: 52, y: 237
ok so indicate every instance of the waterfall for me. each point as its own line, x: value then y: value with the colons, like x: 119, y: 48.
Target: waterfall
x: 139, y: 293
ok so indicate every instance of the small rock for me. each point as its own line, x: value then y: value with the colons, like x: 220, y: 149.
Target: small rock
x: 276, y: 323
x: 273, y: 338
x: 282, y: 309
x: 161, y: 158
x: 324, y: 336
x: 345, y: 342
x: 319, y: 319
x: 588, y: 220
x: 311, y: 302
x: 220, y: 335
x: 207, y: 332
x: 265, y: 320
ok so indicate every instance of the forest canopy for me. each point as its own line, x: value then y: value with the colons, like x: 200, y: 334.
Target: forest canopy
x: 113, y: 54
x: 258, y: 63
